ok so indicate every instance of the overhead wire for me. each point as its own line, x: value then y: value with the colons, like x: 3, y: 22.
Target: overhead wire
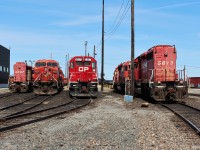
x: 116, y: 17
x: 116, y: 24
x: 120, y: 21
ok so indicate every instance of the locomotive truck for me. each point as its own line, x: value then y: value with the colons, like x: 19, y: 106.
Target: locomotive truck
x: 47, y: 77
x: 155, y: 75
x: 83, y: 76
x: 21, y: 81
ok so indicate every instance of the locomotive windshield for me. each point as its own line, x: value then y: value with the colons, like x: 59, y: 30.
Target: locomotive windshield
x: 83, y: 63
x: 53, y: 64
x: 40, y: 64
x: 86, y: 63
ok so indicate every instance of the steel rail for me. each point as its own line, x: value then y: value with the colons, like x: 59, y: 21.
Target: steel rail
x: 189, y: 106
x: 71, y: 107
x: 22, y: 111
x: 6, y: 95
x: 7, y: 107
x: 192, y: 94
x: 35, y: 112
x: 194, y: 127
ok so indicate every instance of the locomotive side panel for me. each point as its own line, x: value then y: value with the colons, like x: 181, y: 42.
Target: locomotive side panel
x: 116, y: 79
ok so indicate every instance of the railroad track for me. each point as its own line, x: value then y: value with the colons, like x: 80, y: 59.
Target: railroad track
x: 7, y: 95
x: 43, y: 113
x: 188, y: 114
x: 192, y: 94
x: 22, y: 107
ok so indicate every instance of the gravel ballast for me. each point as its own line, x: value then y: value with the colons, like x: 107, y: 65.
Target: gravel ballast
x: 107, y: 123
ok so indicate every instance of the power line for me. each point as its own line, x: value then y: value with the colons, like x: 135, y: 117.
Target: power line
x: 116, y: 17
x: 120, y: 21
x: 121, y: 18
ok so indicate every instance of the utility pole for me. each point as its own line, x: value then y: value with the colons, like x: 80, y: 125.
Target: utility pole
x: 94, y: 53
x: 66, y: 64
x: 86, y: 48
x: 132, y: 48
x: 102, y: 52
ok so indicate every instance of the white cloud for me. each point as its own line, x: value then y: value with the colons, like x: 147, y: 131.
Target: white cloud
x: 83, y: 20
x: 177, y: 5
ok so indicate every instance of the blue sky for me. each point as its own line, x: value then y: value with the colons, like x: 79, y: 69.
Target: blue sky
x: 37, y: 29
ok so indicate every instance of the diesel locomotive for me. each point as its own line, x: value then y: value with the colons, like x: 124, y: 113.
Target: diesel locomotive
x: 155, y: 75
x: 47, y: 77
x: 22, y: 80
x: 83, y: 76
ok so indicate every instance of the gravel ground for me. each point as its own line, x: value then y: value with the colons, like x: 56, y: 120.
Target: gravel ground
x: 107, y: 123
x: 4, y: 90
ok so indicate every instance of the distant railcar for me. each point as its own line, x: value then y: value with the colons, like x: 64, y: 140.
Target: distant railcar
x: 47, y: 77
x: 65, y: 81
x: 83, y: 76
x: 194, y: 82
x: 155, y: 75
x: 22, y: 79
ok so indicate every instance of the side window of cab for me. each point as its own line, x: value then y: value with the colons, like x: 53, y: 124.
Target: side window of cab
x: 71, y: 65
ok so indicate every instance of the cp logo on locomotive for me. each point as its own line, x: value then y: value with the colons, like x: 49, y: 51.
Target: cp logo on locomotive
x: 83, y: 69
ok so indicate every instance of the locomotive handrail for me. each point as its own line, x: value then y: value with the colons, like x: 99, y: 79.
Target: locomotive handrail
x: 182, y: 75
x: 36, y: 78
x: 53, y: 77
x: 151, y: 77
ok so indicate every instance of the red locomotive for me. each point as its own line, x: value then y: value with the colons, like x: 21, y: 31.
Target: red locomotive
x: 47, y: 77
x: 155, y: 75
x: 121, y: 76
x: 22, y: 79
x: 83, y: 76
